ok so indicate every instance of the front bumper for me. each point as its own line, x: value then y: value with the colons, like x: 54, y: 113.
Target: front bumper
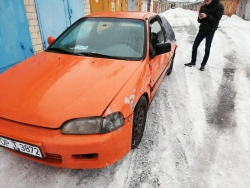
x: 71, y: 151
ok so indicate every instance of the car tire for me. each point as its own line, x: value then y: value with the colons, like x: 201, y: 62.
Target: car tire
x: 171, y: 66
x: 139, y: 121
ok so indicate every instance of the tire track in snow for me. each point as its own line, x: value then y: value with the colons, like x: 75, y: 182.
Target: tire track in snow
x: 221, y: 114
x: 194, y: 162
x: 218, y: 115
x: 184, y: 141
x: 204, y: 158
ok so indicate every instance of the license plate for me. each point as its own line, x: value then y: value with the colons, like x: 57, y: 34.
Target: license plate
x: 21, y: 147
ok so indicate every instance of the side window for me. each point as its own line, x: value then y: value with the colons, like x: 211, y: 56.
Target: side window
x: 170, y: 36
x: 156, y: 29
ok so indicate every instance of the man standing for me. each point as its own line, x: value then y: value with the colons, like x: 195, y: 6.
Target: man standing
x: 209, y: 17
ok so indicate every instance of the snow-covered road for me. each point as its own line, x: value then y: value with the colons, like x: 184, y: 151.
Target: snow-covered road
x: 197, y: 133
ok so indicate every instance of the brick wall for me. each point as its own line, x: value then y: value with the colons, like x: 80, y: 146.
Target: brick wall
x: 87, y: 7
x: 33, y: 25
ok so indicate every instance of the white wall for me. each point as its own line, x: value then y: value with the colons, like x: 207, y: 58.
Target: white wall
x: 144, y: 6
x: 247, y: 11
x: 131, y: 6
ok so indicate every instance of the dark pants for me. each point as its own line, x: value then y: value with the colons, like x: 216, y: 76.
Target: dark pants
x: 200, y: 36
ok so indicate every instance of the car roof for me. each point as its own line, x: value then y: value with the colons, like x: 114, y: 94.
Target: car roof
x: 125, y: 14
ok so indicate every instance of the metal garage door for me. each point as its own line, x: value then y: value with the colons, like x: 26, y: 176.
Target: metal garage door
x: 57, y: 15
x: 15, y: 40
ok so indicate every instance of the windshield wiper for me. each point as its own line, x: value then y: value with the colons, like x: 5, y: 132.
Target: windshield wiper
x: 63, y: 51
x: 94, y: 54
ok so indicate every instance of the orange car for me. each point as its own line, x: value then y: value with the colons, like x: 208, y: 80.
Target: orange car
x: 82, y: 103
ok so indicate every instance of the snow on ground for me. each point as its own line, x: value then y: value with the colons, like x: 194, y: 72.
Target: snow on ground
x: 197, y: 132
x: 216, y: 100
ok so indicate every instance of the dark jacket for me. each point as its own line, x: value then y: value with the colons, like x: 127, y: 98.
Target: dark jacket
x: 214, y: 12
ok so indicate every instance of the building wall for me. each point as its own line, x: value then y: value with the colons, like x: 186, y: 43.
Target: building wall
x: 243, y: 9
x: 247, y: 11
x: 230, y: 6
x: 145, y: 5
x: 33, y: 25
x: 87, y: 7
x: 108, y: 5
x: 139, y: 5
x: 131, y: 5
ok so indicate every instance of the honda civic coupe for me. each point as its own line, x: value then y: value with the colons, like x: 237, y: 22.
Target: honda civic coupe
x: 82, y: 103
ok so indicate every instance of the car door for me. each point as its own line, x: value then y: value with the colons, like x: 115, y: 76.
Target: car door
x: 157, y: 63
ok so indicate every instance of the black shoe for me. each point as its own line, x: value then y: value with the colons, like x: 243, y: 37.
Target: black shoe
x: 202, y: 68
x: 190, y: 64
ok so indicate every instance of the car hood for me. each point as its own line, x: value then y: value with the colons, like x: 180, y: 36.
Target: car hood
x: 49, y: 88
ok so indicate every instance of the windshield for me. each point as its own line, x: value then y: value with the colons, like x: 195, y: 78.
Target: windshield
x: 104, y: 37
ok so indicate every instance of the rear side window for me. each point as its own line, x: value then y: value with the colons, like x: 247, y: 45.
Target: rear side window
x: 170, y: 36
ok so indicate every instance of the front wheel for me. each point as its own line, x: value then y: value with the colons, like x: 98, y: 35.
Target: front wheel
x: 139, y: 121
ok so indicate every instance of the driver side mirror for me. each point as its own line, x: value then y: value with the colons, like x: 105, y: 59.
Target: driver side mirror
x: 162, y: 48
x: 50, y: 40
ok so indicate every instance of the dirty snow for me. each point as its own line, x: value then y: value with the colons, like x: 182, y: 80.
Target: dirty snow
x: 197, y: 132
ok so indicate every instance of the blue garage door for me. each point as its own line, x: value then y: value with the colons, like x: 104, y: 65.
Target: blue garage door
x: 15, y: 40
x: 57, y: 15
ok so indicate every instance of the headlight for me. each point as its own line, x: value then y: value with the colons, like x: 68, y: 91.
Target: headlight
x: 112, y: 122
x: 93, y: 125
x: 82, y: 126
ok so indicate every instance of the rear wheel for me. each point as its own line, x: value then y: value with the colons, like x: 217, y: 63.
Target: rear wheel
x: 139, y: 121
x: 171, y: 66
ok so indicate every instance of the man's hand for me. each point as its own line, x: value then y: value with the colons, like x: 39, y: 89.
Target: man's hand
x: 202, y: 15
